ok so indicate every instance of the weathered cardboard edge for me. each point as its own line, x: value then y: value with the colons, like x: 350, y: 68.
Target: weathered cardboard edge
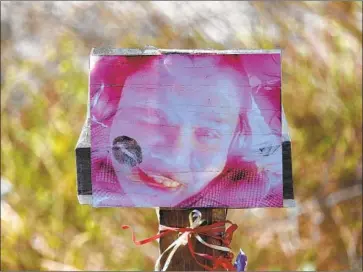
x: 289, y: 203
x: 84, y: 140
x: 152, y: 51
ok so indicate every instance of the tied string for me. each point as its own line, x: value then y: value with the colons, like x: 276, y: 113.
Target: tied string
x: 196, y: 229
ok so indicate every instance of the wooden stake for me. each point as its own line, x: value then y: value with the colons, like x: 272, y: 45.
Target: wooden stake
x: 182, y: 260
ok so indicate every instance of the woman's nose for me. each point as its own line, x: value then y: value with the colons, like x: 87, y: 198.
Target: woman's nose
x: 181, y: 161
x: 183, y: 149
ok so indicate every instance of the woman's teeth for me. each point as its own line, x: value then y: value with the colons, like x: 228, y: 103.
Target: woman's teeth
x: 167, y: 182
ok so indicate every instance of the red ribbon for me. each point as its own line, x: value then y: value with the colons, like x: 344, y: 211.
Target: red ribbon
x: 212, y: 231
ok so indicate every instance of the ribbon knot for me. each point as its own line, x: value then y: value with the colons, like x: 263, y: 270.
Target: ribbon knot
x: 196, y: 229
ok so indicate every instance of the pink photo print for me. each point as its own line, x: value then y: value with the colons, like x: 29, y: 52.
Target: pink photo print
x: 184, y: 129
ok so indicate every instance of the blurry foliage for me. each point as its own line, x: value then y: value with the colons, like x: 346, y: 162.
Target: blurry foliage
x: 44, y: 77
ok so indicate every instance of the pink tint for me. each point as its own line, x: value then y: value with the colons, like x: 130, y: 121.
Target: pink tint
x: 188, y: 89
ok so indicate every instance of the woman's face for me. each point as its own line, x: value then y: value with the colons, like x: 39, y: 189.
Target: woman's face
x: 184, y: 118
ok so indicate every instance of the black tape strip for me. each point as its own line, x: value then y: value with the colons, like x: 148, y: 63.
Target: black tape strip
x: 288, y: 190
x: 83, y: 161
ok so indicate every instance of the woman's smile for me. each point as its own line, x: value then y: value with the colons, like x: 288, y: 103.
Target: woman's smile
x: 155, y: 181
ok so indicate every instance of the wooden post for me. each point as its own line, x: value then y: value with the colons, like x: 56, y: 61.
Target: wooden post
x: 182, y: 260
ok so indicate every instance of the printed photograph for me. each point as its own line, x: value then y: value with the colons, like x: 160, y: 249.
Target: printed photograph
x: 186, y: 130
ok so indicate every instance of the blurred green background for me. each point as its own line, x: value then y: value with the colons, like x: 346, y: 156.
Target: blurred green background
x: 44, y: 77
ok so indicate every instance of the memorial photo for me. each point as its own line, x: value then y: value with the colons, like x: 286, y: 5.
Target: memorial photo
x: 186, y: 130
